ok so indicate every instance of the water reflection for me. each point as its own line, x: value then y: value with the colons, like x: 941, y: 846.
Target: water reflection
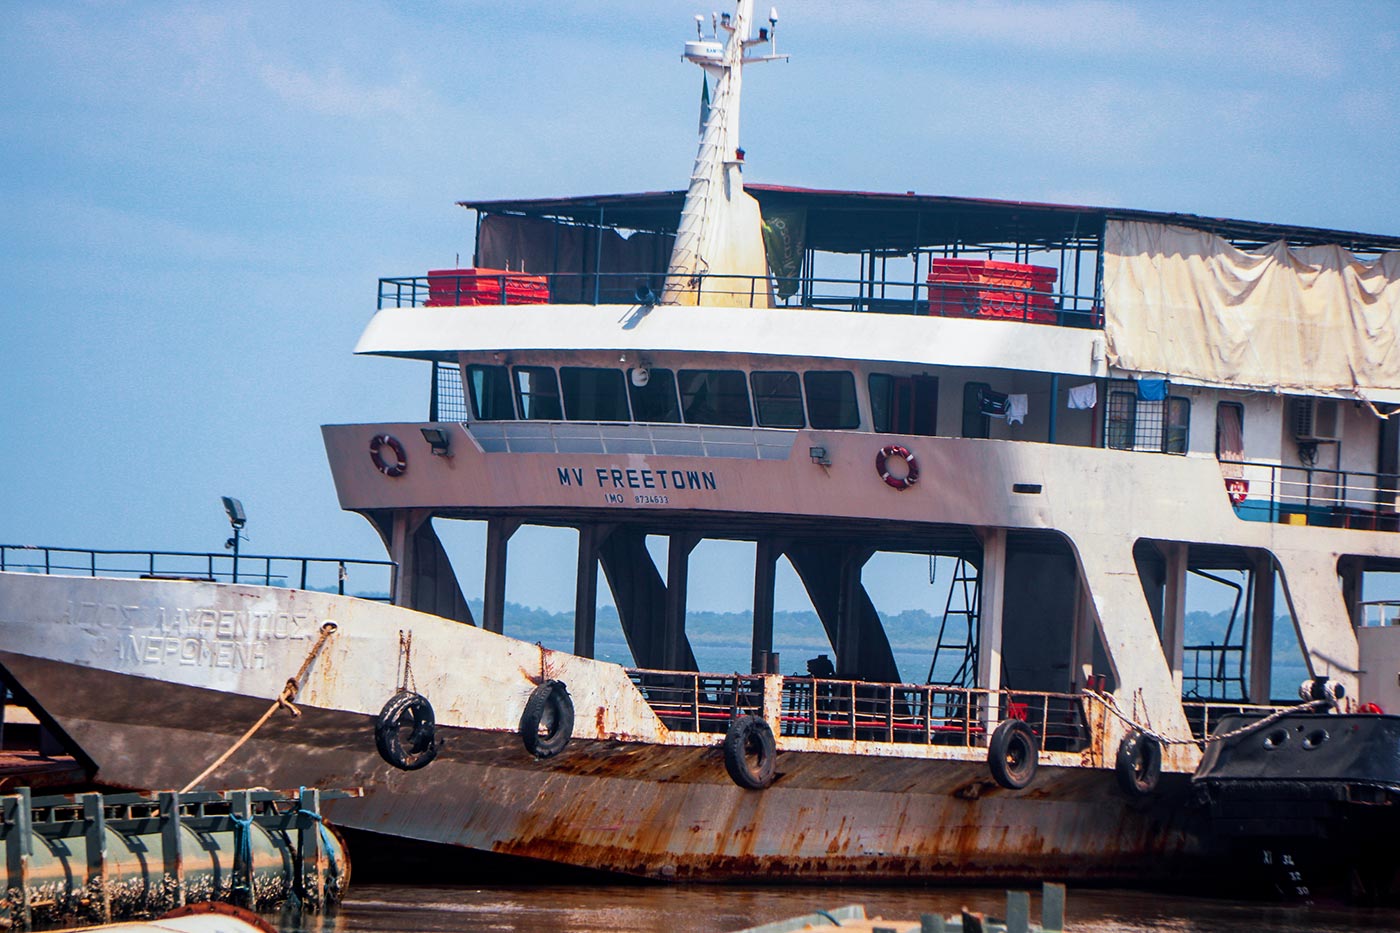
x: 382, y: 908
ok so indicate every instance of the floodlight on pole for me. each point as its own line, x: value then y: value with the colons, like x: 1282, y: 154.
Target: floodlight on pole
x: 237, y: 518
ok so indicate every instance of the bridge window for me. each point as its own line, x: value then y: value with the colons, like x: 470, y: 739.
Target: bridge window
x: 715, y: 396
x: 594, y: 394
x: 537, y: 391
x: 654, y: 400
x: 489, y: 388
x: 831, y: 399
x: 904, y: 404
x: 777, y: 397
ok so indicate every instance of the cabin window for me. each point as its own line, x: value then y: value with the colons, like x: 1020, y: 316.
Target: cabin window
x: 777, y: 399
x: 489, y: 388
x: 1157, y: 425
x: 831, y: 399
x: 715, y: 396
x: 904, y: 404
x: 653, y: 396
x: 537, y: 392
x: 594, y: 394
x: 1177, y: 438
x: 1119, y: 422
x: 1229, y: 431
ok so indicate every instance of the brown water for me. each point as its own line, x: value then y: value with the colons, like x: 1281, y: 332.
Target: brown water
x: 378, y: 908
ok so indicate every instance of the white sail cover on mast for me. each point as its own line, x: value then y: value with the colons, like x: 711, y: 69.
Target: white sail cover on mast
x: 718, y: 257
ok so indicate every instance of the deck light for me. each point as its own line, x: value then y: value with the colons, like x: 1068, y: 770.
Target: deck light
x: 237, y: 518
x: 439, y: 440
x: 818, y: 455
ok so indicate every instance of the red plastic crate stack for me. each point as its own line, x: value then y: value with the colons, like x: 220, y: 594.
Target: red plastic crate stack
x: 982, y: 288
x: 452, y: 287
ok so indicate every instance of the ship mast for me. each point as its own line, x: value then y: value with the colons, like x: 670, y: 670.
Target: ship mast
x: 718, y: 257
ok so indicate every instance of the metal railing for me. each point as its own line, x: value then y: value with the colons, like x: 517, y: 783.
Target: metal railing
x: 924, y: 714
x: 1315, y: 496
x: 592, y: 437
x: 1205, y: 717
x: 958, y: 299
x: 1379, y: 613
x: 687, y: 702
x: 921, y: 714
x: 325, y: 574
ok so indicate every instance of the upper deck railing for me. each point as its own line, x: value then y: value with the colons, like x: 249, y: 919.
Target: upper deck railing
x: 1270, y: 492
x: 946, y: 299
x: 368, y: 579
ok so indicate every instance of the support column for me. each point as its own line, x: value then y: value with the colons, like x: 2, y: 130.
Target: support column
x: 402, y: 534
x: 820, y: 566
x: 989, y: 622
x: 586, y: 588
x: 1261, y: 631
x: 672, y: 635
x: 1349, y: 569
x: 640, y: 595
x: 765, y: 566
x: 493, y: 609
x: 1174, y: 554
x: 849, y: 603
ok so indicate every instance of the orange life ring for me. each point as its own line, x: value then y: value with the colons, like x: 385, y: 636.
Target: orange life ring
x: 376, y: 453
x: 911, y: 475
x: 1373, y: 709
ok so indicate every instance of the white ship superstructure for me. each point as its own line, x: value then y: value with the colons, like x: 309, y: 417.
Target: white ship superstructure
x: 1087, y: 412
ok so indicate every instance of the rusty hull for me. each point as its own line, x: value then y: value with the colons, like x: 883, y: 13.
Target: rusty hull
x: 625, y: 796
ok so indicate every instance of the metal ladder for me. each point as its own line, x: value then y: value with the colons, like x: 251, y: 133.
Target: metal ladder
x: 963, y: 607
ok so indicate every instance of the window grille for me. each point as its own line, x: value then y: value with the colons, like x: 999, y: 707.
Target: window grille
x: 1118, y: 426
x: 448, y: 402
x: 1155, y: 425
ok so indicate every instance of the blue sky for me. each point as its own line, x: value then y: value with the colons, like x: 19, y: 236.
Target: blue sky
x: 197, y: 199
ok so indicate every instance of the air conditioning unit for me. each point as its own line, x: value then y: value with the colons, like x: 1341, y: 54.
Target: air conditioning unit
x: 1316, y: 420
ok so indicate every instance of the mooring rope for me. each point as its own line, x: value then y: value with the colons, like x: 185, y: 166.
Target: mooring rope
x: 1110, y: 704
x: 283, y: 701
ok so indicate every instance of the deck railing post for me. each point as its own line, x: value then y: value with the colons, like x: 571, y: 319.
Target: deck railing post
x: 19, y: 848
x: 241, y: 889
x: 172, y: 852
x: 95, y: 831
x: 310, y: 877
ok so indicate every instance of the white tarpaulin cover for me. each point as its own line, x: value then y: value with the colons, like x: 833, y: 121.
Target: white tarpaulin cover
x: 1179, y: 302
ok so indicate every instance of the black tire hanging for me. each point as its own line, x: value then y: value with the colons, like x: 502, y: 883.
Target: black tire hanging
x: 1139, y: 764
x: 1013, y: 754
x: 406, y: 731
x: 548, y: 721
x: 750, y: 752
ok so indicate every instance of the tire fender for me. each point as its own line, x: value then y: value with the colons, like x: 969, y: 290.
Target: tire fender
x: 411, y: 712
x: 547, y: 724
x: 750, y: 752
x: 1013, y: 754
x: 1138, y: 766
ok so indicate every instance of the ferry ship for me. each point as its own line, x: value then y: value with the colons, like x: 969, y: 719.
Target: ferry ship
x: 1087, y: 412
